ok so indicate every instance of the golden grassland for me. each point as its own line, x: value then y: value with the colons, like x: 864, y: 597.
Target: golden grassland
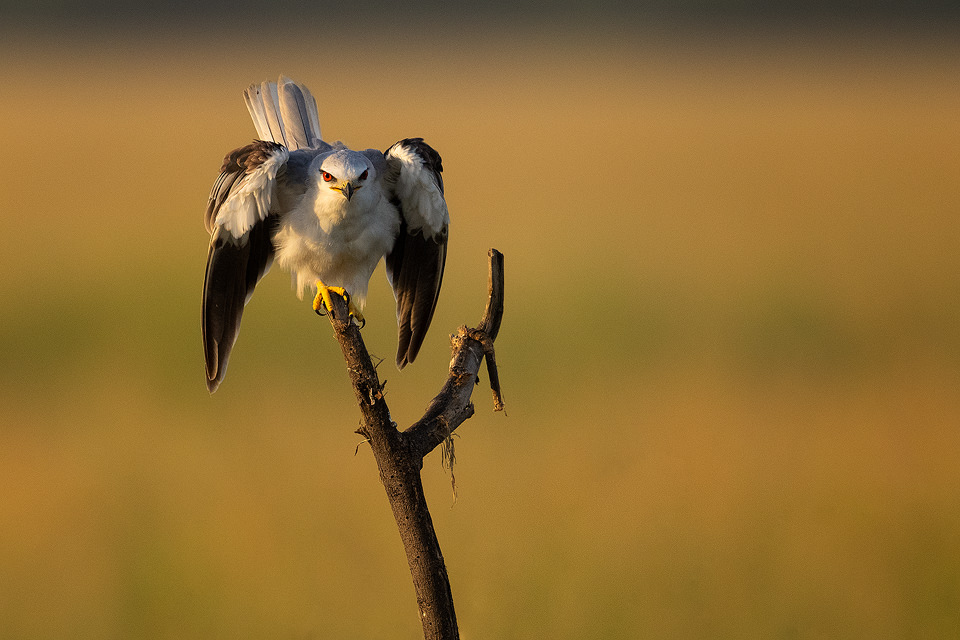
x: 730, y: 353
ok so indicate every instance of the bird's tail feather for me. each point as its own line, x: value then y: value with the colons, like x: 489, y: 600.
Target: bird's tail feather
x: 262, y: 103
x: 284, y: 112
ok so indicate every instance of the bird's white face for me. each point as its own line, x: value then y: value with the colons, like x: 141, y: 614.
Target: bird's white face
x: 346, y: 174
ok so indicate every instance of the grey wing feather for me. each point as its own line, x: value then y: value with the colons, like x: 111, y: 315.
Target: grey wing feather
x: 234, y: 265
x: 375, y: 156
x: 416, y: 263
x: 221, y: 189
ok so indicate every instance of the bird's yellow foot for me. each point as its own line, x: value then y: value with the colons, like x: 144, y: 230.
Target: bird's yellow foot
x: 322, y: 301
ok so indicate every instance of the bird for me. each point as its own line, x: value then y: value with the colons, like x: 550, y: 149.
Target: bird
x: 325, y: 213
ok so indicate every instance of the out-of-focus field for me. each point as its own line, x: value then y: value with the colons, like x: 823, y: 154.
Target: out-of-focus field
x: 731, y: 350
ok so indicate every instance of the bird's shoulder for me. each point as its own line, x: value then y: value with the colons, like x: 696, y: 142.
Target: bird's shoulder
x: 416, y: 186
x: 414, y: 156
x: 248, y: 157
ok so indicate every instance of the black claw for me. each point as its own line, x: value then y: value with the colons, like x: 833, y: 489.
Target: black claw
x: 321, y: 311
x: 363, y: 322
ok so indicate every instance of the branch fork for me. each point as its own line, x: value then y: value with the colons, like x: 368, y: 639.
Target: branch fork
x: 400, y: 454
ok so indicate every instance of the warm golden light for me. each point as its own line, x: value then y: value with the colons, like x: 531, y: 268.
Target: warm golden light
x: 730, y: 353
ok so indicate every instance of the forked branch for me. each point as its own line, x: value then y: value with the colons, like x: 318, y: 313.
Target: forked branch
x: 399, y: 455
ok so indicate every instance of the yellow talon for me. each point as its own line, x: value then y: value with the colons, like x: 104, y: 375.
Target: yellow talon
x: 323, y: 296
x: 355, y: 313
x: 323, y: 301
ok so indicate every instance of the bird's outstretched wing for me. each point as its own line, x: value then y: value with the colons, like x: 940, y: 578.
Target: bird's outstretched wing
x: 415, y: 264
x: 241, y: 217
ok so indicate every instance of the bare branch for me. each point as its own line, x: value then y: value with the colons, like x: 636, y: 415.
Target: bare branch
x: 452, y: 405
x: 493, y: 314
x: 400, y: 456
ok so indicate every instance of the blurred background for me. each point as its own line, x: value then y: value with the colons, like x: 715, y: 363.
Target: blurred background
x: 730, y: 354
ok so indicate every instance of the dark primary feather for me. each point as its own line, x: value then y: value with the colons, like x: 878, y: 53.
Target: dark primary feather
x: 234, y: 266
x: 415, y: 266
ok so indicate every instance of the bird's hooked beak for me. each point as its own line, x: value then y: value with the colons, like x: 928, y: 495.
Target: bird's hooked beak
x: 348, y: 189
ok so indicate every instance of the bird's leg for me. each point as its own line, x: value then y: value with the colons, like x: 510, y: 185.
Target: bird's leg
x: 322, y: 301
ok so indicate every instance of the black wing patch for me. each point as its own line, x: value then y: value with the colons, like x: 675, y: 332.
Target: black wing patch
x: 234, y: 266
x: 415, y: 268
x: 415, y: 265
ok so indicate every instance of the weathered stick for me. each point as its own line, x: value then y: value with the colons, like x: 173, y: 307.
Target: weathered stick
x: 399, y: 455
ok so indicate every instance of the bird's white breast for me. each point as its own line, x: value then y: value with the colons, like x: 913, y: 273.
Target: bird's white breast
x: 326, y: 237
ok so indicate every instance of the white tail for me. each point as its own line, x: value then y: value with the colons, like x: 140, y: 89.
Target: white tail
x: 284, y: 112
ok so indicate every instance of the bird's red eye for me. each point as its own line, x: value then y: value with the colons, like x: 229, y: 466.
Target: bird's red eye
x: 363, y: 176
x: 327, y: 177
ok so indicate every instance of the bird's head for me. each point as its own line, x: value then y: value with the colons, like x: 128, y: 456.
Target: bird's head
x: 345, y: 173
